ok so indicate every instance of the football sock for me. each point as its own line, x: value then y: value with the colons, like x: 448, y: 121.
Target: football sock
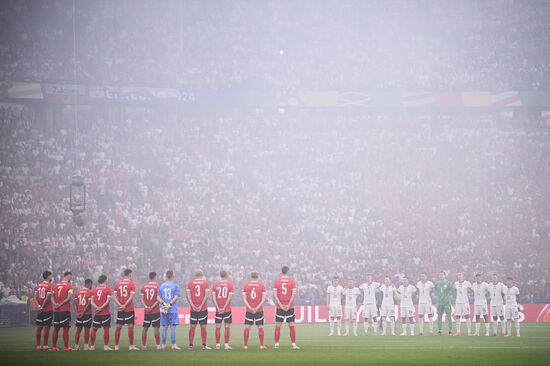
x: 173, y: 335
x: 164, y: 331
x: 218, y: 335
x: 131, y: 336
x: 246, y: 335
x: 277, y: 334
x: 292, y: 334
x: 204, y: 334
x: 226, y: 335
x: 38, y: 335
x: 261, y: 335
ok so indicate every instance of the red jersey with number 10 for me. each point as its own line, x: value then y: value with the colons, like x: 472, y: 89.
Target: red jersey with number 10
x: 42, y: 290
x: 150, y: 292
x: 61, y: 292
x: 197, y: 291
x: 222, y: 289
x: 83, y: 297
x: 253, y: 291
x: 284, y: 287
x: 100, y: 295
x: 124, y: 290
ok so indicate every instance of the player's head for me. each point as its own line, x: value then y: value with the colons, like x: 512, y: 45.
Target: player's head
x: 350, y: 283
x: 152, y: 276
x: 47, y: 275
x: 460, y: 276
x: 67, y: 276
x: 88, y: 283
x: 387, y: 280
x: 223, y: 274
x: 442, y: 275
x: 285, y: 270
x: 423, y: 277
x: 509, y: 281
x: 254, y: 275
x: 335, y: 281
x: 169, y: 275
x: 199, y: 273
x: 495, y: 278
x: 369, y: 278
x: 102, y: 279
x: 478, y: 277
x: 406, y: 281
x: 128, y: 273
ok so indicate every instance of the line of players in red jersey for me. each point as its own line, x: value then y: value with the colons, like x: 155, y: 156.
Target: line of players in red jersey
x: 93, y: 309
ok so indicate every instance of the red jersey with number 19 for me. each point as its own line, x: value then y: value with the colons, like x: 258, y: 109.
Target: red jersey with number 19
x: 124, y: 290
x: 253, y: 291
x: 42, y: 290
x: 100, y: 295
x: 197, y: 291
x: 150, y: 292
x: 222, y: 289
x: 285, y: 286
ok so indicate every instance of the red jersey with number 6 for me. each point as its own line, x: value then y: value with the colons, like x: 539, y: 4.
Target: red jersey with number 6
x: 125, y: 289
x: 197, y: 291
x: 61, y: 292
x: 222, y: 289
x: 100, y: 295
x: 42, y: 290
x: 284, y: 286
x: 253, y: 291
x: 150, y: 292
x: 83, y: 297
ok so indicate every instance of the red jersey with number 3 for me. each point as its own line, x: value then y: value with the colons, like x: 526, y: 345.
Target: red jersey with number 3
x: 42, y: 290
x: 284, y: 287
x: 150, y: 292
x: 61, y: 292
x: 100, y: 295
x: 197, y: 291
x: 83, y: 297
x: 222, y: 289
x: 125, y: 290
x: 253, y: 291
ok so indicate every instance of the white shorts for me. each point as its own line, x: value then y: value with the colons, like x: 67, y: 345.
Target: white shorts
x: 511, y: 312
x: 424, y: 309
x: 387, y: 310
x: 406, y: 311
x: 370, y: 311
x: 350, y: 312
x: 480, y: 310
x: 497, y: 310
x: 335, y: 311
x: 462, y: 309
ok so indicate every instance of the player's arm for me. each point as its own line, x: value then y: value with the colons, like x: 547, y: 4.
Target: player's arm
x: 130, y: 298
x: 246, y: 301
x: 264, y: 296
x: 213, y: 293
x: 277, y: 297
x: 294, y: 291
x: 204, y: 299
x: 328, y: 298
x: 188, y: 295
x: 229, y: 297
x: 115, y: 297
x: 68, y: 299
x: 107, y: 302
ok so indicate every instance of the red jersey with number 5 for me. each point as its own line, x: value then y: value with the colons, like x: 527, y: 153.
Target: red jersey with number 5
x: 150, y: 292
x: 253, y: 291
x: 61, y: 292
x: 222, y: 289
x: 83, y: 297
x: 125, y: 290
x: 197, y: 291
x: 100, y: 294
x: 42, y: 290
x: 284, y: 287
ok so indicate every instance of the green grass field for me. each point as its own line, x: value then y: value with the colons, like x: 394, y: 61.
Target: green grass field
x: 533, y: 348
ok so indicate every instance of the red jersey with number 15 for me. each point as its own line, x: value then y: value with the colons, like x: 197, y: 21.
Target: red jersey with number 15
x: 42, y: 290
x: 284, y: 286
x: 197, y: 291
x: 222, y: 289
x: 61, y: 292
x: 100, y: 295
x: 83, y: 297
x: 150, y: 292
x: 253, y: 291
x: 125, y: 289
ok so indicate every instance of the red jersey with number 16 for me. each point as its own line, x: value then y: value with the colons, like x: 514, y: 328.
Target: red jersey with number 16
x: 124, y: 290
x: 253, y: 291
x: 150, y: 292
x: 61, y: 292
x: 222, y: 289
x: 284, y: 287
x: 83, y: 297
x: 42, y: 290
x: 100, y: 295
x: 197, y: 291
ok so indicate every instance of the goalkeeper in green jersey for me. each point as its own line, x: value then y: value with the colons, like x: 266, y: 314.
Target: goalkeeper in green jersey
x: 444, y: 291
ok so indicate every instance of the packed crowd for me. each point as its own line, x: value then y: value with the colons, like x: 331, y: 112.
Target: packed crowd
x: 398, y: 44
x: 327, y: 195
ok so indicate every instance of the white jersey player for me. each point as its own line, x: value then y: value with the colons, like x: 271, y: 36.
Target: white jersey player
x: 350, y: 306
x: 462, y: 304
x: 406, y: 292
x: 425, y: 307
x: 334, y: 303
x: 387, y: 311
x: 511, y: 307
x: 496, y: 291
x: 370, y: 312
x: 481, y: 289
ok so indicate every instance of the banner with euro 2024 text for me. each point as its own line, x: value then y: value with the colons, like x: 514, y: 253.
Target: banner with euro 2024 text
x: 529, y: 313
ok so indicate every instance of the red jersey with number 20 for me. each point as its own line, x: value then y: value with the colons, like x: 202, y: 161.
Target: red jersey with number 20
x: 124, y: 290
x: 150, y: 292
x: 253, y: 291
x: 222, y: 289
x: 197, y: 291
x: 42, y: 290
x: 100, y: 295
x: 284, y: 287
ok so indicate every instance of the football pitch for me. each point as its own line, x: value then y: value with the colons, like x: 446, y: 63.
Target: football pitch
x: 533, y: 348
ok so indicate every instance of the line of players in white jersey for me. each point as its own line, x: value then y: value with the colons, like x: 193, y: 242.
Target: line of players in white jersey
x: 503, y: 301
